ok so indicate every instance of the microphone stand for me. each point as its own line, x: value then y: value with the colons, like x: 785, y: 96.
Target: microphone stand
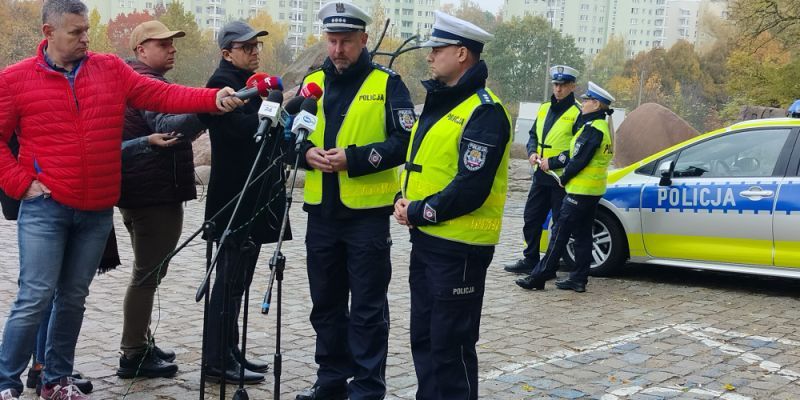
x: 204, y: 290
x: 241, y: 392
x: 277, y: 264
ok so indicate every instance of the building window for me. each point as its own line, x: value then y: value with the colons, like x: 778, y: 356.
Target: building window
x: 584, y: 6
x: 584, y: 17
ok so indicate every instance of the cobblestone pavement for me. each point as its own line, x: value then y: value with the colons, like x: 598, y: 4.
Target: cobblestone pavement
x: 651, y: 333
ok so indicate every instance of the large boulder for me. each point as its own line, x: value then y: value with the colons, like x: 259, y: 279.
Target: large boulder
x: 202, y: 150
x: 647, y: 130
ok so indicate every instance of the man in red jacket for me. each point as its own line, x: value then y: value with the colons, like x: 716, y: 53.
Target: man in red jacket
x: 67, y: 105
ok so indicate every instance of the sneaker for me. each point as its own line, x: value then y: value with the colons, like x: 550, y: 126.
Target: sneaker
x: 63, y: 390
x: 9, y: 394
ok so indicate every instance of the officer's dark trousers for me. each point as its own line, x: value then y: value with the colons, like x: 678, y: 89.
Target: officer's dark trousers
x: 446, y: 299
x: 541, y: 200
x: 349, y: 259
x: 235, y: 267
x: 575, y: 218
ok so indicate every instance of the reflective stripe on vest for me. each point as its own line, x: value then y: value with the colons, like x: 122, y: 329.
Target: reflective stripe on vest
x: 559, y: 135
x: 364, y: 123
x: 592, y: 179
x: 438, y: 157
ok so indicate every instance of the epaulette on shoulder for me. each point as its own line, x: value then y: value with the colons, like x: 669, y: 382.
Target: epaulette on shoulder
x: 485, y: 97
x: 388, y: 70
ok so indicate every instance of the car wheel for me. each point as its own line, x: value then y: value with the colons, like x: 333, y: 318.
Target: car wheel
x: 610, y: 247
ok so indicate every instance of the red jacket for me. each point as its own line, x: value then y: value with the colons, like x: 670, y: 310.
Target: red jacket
x: 70, y: 139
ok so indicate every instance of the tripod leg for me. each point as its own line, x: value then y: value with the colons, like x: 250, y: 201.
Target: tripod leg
x: 208, y: 227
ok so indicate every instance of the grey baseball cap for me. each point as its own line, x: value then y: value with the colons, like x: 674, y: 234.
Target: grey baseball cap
x: 237, y: 31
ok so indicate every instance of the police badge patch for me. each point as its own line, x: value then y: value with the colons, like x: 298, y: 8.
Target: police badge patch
x: 406, y: 118
x: 375, y: 158
x: 562, y: 158
x: 429, y: 213
x: 475, y: 156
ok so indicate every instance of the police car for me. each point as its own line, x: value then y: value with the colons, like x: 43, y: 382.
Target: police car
x: 728, y: 200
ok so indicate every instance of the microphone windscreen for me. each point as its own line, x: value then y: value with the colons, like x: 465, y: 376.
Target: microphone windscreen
x: 275, y: 96
x: 311, y: 90
x: 309, y: 105
x: 253, y: 79
x: 274, y: 82
x: 293, y: 106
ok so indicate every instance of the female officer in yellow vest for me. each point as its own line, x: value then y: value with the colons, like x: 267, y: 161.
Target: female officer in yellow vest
x: 550, y: 135
x: 454, y: 190
x: 584, y: 179
x: 365, y: 119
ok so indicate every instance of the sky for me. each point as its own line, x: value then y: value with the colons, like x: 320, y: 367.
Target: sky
x: 489, y: 5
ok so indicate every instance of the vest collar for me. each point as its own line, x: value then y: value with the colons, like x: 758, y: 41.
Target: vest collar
x: 586, y: 118
x: 564, y: 104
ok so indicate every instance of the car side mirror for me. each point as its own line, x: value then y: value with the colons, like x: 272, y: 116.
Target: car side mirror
x: 667, y: 169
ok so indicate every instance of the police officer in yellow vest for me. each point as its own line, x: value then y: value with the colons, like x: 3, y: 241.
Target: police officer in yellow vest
x: 352, y: 159
x: 454, y: 189
x: 584, y: 179
x: 550, y: 135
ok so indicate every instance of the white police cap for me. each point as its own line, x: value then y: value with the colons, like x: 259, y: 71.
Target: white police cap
x: 563, y: 73
x: 595, y: 92
x: 449, y: 30
x: 340, y: 16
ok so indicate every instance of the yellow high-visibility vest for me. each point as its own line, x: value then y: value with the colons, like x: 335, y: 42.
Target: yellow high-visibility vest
x: 592, y: 179
x: 364, y: 123
x: 559, y: 135
x: 436, y: 164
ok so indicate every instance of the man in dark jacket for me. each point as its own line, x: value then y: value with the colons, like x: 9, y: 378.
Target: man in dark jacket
x: 454, y: 190
x: 550, y: 135
x: 157, y: 177
x: 233, y: 152
x: 351, y: 159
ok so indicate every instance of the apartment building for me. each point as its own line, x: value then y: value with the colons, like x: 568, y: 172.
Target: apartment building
x: 408, y: 17
x: 644, y: 24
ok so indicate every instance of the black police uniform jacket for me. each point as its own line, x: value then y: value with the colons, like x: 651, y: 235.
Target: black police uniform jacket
x: 340, y: 89
x: 488, y: 127
x: 233, y: 151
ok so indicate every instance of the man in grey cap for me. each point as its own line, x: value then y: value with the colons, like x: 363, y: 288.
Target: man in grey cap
x: 233, y: 154
x: 351, y: 162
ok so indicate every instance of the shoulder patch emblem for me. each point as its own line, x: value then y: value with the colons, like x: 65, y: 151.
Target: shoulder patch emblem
x: 406, y: 118
x: 577, y: 149
x: 429, y: 213
x: 475, y: 156
x: 375, y: 158
x: 562, y: 158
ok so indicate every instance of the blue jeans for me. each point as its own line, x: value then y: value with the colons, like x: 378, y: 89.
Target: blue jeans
x: 59, y: 250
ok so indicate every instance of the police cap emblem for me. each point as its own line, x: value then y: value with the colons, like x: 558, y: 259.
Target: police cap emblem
x: 339, y: 7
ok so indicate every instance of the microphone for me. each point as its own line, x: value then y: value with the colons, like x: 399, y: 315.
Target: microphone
x: 251, y: 81
x: 306, y: 121
x: 268, y: 113
x: 292, y: 107
x: 261, y: 88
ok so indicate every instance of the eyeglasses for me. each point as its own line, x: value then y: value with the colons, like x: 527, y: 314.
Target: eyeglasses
x: 249, y: 47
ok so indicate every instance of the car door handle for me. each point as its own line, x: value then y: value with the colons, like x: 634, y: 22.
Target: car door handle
x: 756, y: 193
